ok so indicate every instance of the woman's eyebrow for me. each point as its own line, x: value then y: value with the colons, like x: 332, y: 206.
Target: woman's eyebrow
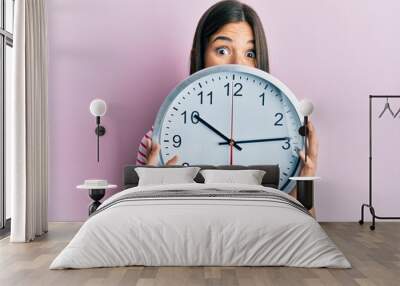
x: 223, y: 38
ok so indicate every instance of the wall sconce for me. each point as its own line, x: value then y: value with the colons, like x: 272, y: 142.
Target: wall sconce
x: 306, y: 108
x: 98, y: 108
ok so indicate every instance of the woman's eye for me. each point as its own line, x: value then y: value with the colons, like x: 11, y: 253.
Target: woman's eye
x: 222, y: 51
x: 251, y: 54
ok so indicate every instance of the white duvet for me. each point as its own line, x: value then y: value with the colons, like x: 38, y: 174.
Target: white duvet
x: 200, y: 231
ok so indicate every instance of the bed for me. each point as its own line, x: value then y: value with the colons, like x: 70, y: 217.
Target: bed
x: 201, y: 224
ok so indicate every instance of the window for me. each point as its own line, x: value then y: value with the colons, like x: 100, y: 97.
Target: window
x: 6, y: 62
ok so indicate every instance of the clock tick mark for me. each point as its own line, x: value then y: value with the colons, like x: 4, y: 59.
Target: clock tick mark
x: 166, y: 140
x: 233, y: 77
x: 175, y: 108
x: 266, y: 86
x: 200, y: 85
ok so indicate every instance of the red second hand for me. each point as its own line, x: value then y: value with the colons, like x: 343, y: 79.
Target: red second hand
x: 231, y: 159
x: 230, y: 143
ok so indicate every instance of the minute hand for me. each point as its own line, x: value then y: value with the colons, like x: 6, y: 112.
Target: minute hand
x: 208, y: 125
x: 258, y: 140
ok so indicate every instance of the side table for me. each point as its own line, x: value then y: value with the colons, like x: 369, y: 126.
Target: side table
x: 305, y: 190
x: 96, y: 193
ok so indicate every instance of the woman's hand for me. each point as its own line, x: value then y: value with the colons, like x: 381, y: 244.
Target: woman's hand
x: 310, y: 167
x: 154, y: 152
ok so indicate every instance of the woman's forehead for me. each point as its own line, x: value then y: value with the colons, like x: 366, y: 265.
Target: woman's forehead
x: 239, y: 32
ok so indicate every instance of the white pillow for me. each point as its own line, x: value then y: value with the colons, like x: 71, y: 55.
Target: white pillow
x: 162, y: 176
x: 249, y: 177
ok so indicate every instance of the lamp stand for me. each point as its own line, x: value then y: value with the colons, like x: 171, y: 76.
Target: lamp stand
x: 100, y: 131
x: 303, y: 131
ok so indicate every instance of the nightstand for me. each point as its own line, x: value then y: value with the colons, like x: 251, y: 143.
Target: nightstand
x: 305, y: 190
x: 96, y: 193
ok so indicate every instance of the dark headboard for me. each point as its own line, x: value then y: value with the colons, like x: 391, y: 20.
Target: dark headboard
x: 270, y: 179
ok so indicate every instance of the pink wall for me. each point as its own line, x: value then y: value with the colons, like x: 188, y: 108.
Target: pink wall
x: 132, y: 53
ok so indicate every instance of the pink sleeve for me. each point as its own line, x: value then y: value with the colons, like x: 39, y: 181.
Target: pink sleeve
x: 141, y: 157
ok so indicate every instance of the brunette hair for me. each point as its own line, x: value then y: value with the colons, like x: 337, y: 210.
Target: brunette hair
x: 218, y: 15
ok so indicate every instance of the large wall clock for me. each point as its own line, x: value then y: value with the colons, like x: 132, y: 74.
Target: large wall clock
x: 232, y: 114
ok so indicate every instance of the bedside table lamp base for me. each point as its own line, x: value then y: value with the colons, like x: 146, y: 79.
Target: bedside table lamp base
x: 96, y: 195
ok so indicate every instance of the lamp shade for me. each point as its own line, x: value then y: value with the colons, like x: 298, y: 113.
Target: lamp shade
x: 98, y: 107
x: 306, y: 107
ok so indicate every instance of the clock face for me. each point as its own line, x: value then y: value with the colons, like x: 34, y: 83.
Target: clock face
x: 231, y: 114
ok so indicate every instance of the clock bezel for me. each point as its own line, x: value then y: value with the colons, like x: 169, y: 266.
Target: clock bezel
x: 225, y: 68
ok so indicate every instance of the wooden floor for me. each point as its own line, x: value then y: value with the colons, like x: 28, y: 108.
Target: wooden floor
x: 374, y: 255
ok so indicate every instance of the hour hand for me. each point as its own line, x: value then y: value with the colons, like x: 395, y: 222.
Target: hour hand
x: 209, y: 126
x: 257, y: 140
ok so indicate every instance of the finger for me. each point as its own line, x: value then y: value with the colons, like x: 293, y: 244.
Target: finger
x: 152, y: 158
x: 173, y: 160
x: 147, y: 142
x: 309, y: 163
x: 155, y: 148
x: 311, y: 127
x: 312, y: 140
x: 302, y: 155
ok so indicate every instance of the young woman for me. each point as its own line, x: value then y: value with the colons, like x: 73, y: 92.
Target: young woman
x: 229, y: 32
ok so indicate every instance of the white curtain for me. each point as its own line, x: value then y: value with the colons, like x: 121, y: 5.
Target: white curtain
x: 26, y: 123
